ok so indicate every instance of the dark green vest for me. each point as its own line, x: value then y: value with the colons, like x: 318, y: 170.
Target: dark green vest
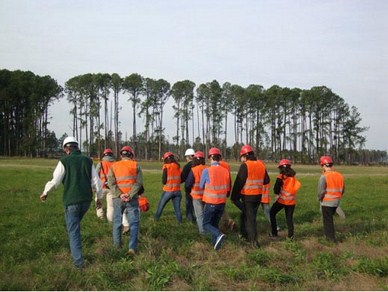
x: 77, y: 179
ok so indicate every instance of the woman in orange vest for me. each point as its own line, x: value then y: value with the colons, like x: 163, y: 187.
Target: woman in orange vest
x: 215, y: 181
x: 285, y: 189
x: 171, y: 180
x: 248, y: 186
x: 192, y: 183
x: 331, y: 188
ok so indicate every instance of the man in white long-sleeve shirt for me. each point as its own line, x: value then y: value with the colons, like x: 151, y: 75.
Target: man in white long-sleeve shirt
x: 79, y: 178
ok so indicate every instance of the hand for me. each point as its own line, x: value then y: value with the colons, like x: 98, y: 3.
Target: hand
x: 124, y: 197
x: 43, y: 197
x: 99, y: 204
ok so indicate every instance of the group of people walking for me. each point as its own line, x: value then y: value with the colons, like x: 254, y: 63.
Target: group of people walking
x: 206, y: 191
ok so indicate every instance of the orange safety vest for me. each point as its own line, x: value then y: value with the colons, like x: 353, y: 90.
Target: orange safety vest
x: 289, y: 190
x: 216, y: 190
x: 255, y: 179
x: 225, y: 164
x: 196, y: 191
x: 125, y: 172
x: 265, y: 197
x: 104, y: 170
x: 173, y: 183
x: 334, y: 185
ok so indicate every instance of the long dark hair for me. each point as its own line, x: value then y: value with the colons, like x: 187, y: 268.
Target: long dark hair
x: 287, y: 171
x: 198, y: 161
x: 171, y: 159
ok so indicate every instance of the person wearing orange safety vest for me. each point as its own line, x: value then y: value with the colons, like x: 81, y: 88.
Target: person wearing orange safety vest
x: 248, y: 187
x: 215, y: 181
x: 171, y: 180
x: 102, y: 169
x: 331, y: 187
x: 285, y: 189
x: 125, y: 179
x: 266, y: 200
x: 192, y: 183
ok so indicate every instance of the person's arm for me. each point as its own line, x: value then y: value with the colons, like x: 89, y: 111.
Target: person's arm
x: 239, y: 182
x: 185, y: 171
x: 58, y: 174
x: 267, y: 179
x: 204, y: 178
x: 278, y: 186
x: 112, y: 184
x: 164, y: 176
x: 321, y: 188
x: 189, y: 180
x: 138, y: 185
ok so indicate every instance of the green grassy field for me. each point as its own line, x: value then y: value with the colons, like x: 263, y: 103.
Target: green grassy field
x: 35, y: 254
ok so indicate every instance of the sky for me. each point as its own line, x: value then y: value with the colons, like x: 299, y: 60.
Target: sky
x: 342, y: 45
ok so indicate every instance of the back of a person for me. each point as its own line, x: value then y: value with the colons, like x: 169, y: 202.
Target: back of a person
x: 173, y: 177
x: 216, y: 190
x: 77, y: 187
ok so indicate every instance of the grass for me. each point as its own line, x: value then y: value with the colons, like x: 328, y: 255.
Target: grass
x: 35, y: 255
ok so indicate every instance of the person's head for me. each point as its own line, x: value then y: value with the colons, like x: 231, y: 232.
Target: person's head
x: 127, y: 151
x: 246, y: 153
x: 107, y: 152
x: 70, y: 144
x: 285, y: 167
x: 169, y: 157
x: 214, y: 154
x: 199, y: 158
x: 189, y: 154
x: 326, y: 162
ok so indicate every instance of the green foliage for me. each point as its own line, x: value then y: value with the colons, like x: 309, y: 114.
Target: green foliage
x: 376, y: 267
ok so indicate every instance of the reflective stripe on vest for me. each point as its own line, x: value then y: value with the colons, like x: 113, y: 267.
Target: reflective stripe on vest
x: 265, y: 197
x: 104, y: 170
x: 196, y: 191
x: 334, y: 186
x: 173, y: 183
x: 216, y: 190
x: 125, y: 172
x: 255, y: 179
x: 289, y: 190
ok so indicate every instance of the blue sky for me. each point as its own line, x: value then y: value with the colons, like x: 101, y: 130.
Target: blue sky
x: 340, y: 44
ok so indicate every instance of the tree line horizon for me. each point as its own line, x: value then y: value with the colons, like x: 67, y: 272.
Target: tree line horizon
x: 278, y: 122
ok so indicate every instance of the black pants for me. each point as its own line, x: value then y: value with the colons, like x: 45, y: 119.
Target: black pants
x: 189, y: 206
x: 328, y: 222
x: 289, y: 211
x: 248, y: 217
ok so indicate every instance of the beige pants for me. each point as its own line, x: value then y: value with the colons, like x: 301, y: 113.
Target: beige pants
x: 109, y: 208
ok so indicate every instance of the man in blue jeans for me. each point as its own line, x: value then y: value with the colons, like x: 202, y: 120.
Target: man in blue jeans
x: 79, y: 177
x: 125, y: 179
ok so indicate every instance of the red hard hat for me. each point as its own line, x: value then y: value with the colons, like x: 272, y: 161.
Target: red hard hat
x: 144, y: 205
x: 245, y: 149
x: 127, y: 149
x: 284, y: 162
x: 325, y: 160
x: 214, y: 151
x: 167, y: 154
x: 199, y: 154
x: 107, y: 151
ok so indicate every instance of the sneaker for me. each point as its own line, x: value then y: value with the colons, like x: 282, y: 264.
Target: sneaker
x: 125, y: 230
x: 219, y: 241
x: 131, y: 252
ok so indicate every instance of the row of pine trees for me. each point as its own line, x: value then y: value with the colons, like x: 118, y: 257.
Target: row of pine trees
x: 300, y: 124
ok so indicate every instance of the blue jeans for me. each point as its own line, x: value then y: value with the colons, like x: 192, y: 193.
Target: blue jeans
x: 211, y: 218
x: 176, y: 198
x: 73, y: 217
x: 131, y: 210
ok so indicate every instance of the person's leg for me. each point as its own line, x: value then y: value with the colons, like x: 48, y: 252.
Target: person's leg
x: 166, y: 196
x: 340, y: 212
x: 250, y: 219
x: 209, y: 212
x: 266, y: 210
x: 117, y: 221
x: 189, y: 206
x: 109, y: 207
x: 198, y: 209
x: 176, y: 202
x: 276, y: 207
x: 289, y: 211
x: 133, y: 215
x: 73, y: 217
x: 328, y: 222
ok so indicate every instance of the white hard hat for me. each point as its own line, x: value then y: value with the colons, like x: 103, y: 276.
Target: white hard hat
x: 69, y: 140
x: 189, y: 152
